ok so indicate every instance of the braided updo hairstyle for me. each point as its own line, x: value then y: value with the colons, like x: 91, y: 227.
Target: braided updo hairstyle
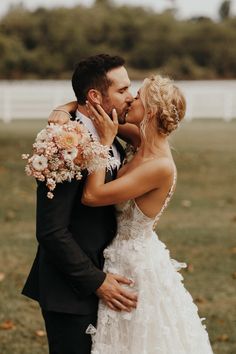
x: 165, y: 102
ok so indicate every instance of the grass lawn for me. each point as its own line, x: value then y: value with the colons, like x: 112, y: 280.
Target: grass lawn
x: 199, y: 228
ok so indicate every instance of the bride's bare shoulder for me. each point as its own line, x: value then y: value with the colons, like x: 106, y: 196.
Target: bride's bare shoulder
x: 162, y: 167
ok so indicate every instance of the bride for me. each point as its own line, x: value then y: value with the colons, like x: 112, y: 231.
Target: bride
x: 166, y: 320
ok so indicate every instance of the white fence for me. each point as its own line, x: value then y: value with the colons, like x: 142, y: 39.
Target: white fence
x: 35, y: 99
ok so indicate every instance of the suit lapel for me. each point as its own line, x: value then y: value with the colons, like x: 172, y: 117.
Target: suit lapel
x: 120, y: 149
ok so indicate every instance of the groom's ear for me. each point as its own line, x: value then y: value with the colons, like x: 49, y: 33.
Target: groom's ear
x: 94, y: 96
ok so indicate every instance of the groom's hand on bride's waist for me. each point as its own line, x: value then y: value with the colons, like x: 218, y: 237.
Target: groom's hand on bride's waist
x: 115, y: 296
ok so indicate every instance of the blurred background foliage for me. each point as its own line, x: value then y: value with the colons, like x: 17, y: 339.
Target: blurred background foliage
x: 47, y: 43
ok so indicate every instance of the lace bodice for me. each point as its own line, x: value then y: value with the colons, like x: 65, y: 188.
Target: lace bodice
x: 131, y: 220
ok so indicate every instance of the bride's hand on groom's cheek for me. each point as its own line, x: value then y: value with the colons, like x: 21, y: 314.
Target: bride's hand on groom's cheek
x: 115, y: 296
x: 106, y: 126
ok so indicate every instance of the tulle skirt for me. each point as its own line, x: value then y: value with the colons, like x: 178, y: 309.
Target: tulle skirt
x: 166, y: 320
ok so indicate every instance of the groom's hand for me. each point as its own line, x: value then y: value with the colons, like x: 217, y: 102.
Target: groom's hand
x: 114, y: 295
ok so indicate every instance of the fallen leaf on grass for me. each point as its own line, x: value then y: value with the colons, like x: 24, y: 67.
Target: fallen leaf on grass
x: 230, y: 200
x: 190, y: 268
x: 2, y: 276
x: 233, y: 250
x: 223, y: 338
x: 40, y: 333
x: 3, y: 170
x: 7, y: 325
x: 234, y: 275
x: 10, y: 215
x: 200, y: 300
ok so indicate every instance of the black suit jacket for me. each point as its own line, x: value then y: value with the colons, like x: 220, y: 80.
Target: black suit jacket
x: 68, y: 265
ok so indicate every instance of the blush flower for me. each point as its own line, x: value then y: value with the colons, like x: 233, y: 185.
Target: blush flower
x: 79, y: 159
x: 82, y: 134
x: 50, y: 195
x: 39, y: 162
x: 70, y: 154
x: 42, y: 136
x: 25, y: 156
x: 67, y: 140
x: 51, y: 184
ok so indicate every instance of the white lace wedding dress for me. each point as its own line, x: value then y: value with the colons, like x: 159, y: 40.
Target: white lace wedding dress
x: 166, y: 320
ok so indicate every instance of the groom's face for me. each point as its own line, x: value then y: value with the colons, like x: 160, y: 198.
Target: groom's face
x: 118, y: 95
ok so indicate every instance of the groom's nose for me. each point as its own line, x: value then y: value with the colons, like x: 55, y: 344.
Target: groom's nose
x: 129, y: 98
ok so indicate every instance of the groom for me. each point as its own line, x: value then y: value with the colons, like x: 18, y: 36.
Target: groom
x: 66, y: 277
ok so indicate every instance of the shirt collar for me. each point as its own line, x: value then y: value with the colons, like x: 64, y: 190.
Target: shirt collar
x: 88, y: 123
x: 91, y: 128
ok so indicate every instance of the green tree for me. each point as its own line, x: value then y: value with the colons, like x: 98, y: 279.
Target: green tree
x: 46, y: 43
x: 224, y: 10
x: 104, y: 3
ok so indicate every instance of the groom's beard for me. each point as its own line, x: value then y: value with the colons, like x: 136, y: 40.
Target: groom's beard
x: 122, y: 119
x: 106, y: 105
x: 121, y: 115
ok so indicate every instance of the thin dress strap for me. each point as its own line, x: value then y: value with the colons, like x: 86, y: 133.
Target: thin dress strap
x: 168, y: 198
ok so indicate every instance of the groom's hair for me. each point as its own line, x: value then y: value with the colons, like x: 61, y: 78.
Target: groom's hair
x: 91, y: 73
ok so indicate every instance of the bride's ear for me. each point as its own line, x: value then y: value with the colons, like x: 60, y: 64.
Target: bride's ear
x: 149, y: 114
x: 94, y: 96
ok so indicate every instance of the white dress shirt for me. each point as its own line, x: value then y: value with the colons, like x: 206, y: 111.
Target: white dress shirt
x: 91, y: 128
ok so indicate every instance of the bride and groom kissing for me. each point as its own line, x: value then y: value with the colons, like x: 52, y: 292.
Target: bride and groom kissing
x: 104, y: 281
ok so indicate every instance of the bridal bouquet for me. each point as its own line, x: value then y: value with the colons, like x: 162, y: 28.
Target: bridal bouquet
x: 61, y: 152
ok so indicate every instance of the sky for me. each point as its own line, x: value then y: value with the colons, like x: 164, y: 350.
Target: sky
x: 187, y: 8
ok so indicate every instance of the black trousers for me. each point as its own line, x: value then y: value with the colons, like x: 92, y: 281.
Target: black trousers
x: 66, y: 332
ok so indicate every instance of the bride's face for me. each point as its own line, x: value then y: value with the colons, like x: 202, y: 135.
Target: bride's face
x: 136, y: 111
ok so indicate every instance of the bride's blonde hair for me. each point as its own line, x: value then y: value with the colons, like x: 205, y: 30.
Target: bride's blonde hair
x: 164, y: 101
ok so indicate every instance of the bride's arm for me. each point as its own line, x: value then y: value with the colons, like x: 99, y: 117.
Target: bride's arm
x: 131, y: 185
x: 139, y: 181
